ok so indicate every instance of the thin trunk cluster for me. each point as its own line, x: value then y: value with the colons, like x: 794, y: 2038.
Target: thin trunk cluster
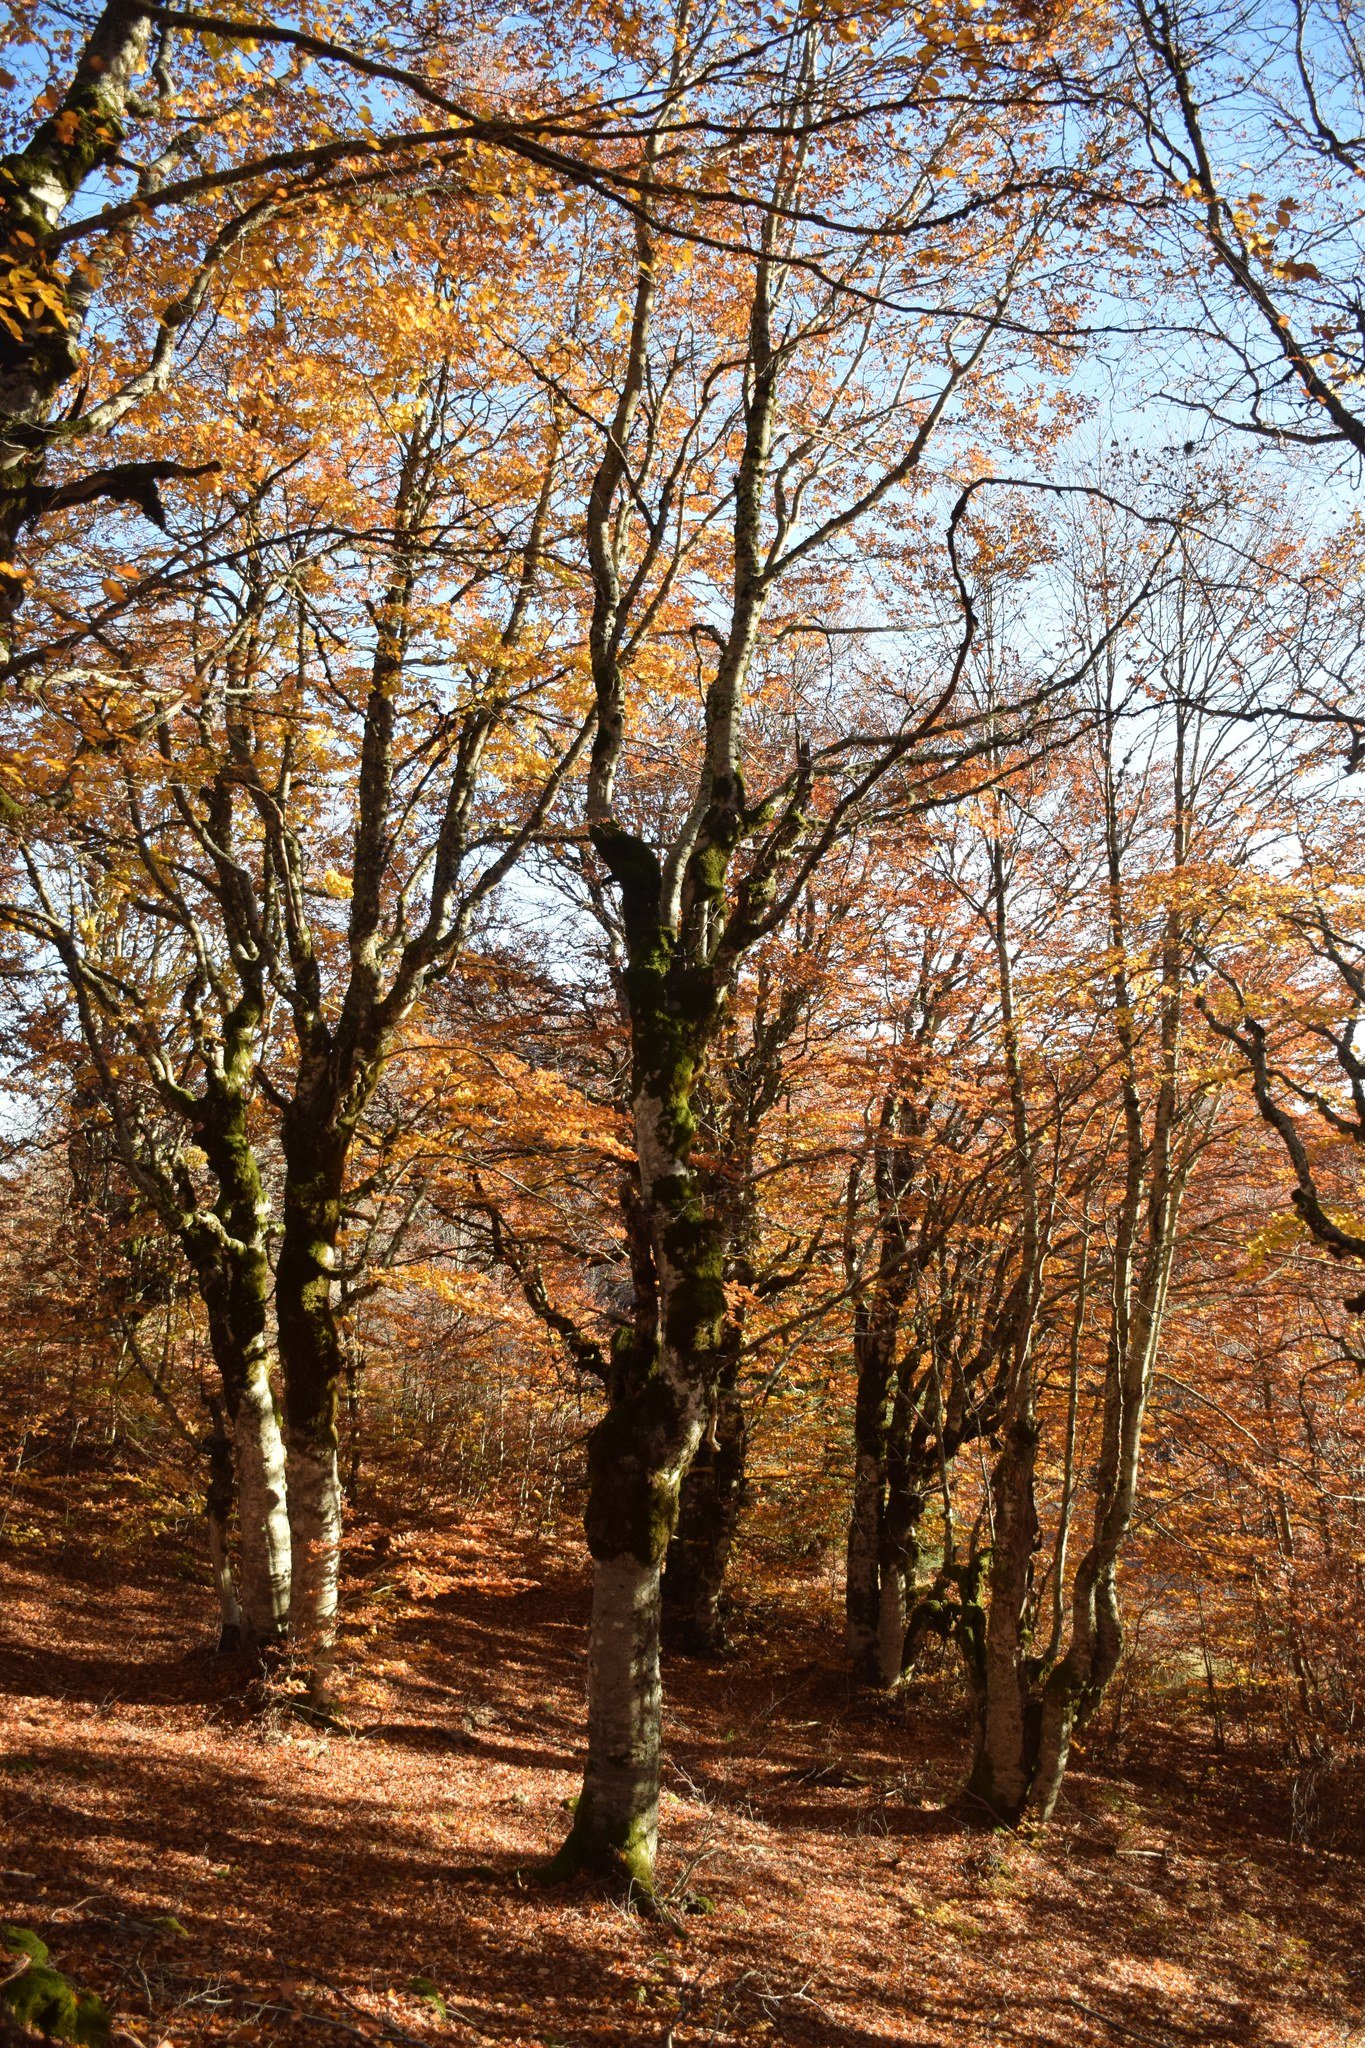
x: 929, y: 1326
x: 1036, y: 1690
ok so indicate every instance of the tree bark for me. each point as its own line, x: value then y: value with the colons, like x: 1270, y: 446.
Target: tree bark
x: 233, y: 1271
x: 876, y: 1330
x: 217, y: 1516
x: 312, y: 1359
x: 618, y: 1809
x: 664, y: 1382
x: 264, y: 1547
x: 708, y: 1515
x: 910, y: 1464
x: 636, y: 1459
x: 1003, y: 1768
x: 876, y: 1327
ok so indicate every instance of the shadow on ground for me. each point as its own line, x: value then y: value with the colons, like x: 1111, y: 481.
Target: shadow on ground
x: 221, y: 1871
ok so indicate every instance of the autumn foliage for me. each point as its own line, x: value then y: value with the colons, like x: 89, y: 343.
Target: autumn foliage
x: 681, y: 890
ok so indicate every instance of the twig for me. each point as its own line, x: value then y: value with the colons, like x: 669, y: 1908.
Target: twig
x: 1116, y: 2026
x: 402, y: 2033
x: 318, y: 2019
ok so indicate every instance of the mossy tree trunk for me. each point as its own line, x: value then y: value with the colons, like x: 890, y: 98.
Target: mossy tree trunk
x: 682, y: 942
x: 229, y: 1255
x: 699, y: 875
x: 659, y: 1402
x: 221, y: 1226
x: 747, y: 1083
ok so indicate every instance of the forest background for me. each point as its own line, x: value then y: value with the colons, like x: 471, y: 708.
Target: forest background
x: 680, y: 864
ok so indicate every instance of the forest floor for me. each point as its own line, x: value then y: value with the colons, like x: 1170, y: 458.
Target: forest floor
x: 224, y: 1873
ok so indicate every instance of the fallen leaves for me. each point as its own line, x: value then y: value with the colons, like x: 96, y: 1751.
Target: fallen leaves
x: 221, y: 1876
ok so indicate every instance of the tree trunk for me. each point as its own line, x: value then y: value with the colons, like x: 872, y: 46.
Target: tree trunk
x: 1003, y: 1769
x: 874, y: 1336
x: 234, y: 1280
x: 909, y: 1474
x: 312, y: 1360
x: 869, y: 1619
x: 263, y: 1539
x: 617, y: 1818
x: 639, y: 1453
x: 708, y: 1514
x: 315, y: 1533
x: 636, y: 1459
x: 218, y: 1515
x: 862, y: 1590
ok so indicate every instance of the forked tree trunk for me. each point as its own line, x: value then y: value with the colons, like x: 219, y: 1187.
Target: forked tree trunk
x: 708, y: 1515
x: 682, y: 947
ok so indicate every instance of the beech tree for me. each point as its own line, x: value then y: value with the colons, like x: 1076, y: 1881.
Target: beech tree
x: 169, y: 1010
x: 731, y: 473
x: 934, y: 1289
x: 216, y: 805
x: 1166, y: 756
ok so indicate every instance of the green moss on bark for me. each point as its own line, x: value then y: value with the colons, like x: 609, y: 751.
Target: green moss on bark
x: 633, y: 1456
x: 620, y: 1853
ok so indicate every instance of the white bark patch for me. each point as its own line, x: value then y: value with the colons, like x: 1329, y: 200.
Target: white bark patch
x: 315, y: 1528
x: 891, y: 1620
x: 621, y: 1782
x: 263, y: 1538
